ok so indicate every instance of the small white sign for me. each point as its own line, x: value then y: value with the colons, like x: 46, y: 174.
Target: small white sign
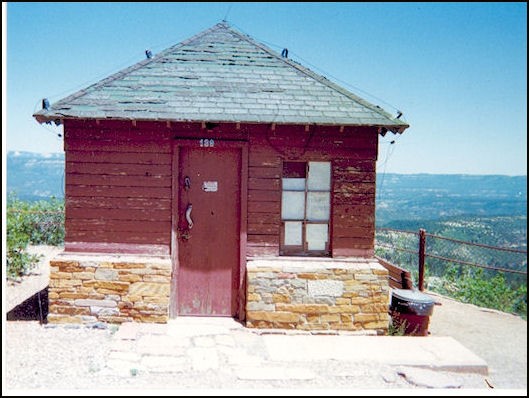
x: 210, y: 186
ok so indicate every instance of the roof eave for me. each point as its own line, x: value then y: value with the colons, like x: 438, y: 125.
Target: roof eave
x: 48, y: 117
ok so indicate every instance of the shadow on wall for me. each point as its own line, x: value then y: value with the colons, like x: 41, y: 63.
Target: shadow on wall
x: 34, y: 308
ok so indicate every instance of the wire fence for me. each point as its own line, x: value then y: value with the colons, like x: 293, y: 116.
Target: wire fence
x: 437, y: 255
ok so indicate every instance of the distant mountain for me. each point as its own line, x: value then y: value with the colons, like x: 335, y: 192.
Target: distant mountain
x: 400, y: 197
x: 414, y: 197
x: 35, y: 176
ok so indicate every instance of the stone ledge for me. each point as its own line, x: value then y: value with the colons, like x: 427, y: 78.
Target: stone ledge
x: 320, y: 295
x: 109, y: 288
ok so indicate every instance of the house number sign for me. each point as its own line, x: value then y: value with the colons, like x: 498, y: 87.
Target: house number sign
x: 207, y: 142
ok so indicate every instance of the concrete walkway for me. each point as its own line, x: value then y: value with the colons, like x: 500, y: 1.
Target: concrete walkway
x: 233, y: 356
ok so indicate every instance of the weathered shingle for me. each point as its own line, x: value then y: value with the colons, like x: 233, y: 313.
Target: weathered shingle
x: 220, y: 75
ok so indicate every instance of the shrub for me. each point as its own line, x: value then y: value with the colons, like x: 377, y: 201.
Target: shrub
x: 473, y: 286
x: 31, y: 223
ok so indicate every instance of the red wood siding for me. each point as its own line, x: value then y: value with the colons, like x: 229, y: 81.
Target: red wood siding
x: 118, y: 186
x: 353, y: 153
x: 119, y: 181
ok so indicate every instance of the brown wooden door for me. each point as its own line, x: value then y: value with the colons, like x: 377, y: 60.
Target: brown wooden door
x: 209, y: 248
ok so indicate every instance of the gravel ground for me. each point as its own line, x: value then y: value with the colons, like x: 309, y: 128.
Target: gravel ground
x: 497, y: 337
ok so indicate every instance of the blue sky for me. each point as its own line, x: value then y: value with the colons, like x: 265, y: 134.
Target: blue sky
x: 457, y: 71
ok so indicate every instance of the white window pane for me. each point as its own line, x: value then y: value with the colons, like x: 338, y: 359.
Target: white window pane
x: 293, y: 233
x: 318, y: 206
x: 293, y: 205
x: 317, y: 236
x: 319, y: 176
x: 294, y: 184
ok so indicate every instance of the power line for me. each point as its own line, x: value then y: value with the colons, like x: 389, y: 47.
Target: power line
x: 227, y: 12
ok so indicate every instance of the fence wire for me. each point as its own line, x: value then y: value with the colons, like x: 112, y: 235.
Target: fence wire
x: 450, y: 255
x: 399, y: 247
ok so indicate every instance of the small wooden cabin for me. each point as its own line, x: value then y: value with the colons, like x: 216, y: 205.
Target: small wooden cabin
x: 219, y: 178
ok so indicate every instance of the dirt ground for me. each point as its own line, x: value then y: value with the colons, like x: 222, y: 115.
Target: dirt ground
x: 497, y: 337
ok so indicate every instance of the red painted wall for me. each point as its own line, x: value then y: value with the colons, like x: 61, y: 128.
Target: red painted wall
x: 118, y: 182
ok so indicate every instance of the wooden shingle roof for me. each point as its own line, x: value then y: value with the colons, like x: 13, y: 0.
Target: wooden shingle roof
x: 220, y: 75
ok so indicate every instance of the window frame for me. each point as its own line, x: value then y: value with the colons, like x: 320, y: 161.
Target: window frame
x: 302, y: 250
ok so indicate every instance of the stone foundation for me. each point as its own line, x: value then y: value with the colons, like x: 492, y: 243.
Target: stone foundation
x: 109, y: 288
x: 317, y: 294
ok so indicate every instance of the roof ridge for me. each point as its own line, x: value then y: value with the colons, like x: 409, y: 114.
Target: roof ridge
x: 320, y: 78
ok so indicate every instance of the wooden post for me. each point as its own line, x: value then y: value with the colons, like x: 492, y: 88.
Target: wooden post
x: 422, y: 252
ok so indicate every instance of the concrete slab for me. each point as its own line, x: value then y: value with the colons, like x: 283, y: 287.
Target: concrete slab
x: 127, y: 331
x: 439, y: 353
x: 162, y: 345
x: 428, y: 378
x: 163, y: 364
x: 201, y: 326
x: 239, y: 356
x: 203, y: 358
x: 274, y: 373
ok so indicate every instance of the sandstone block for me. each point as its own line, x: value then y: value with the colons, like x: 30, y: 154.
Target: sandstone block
x: 109, y: 285
x: 153, y: 318
x: 115, y: 319
x: 365, y: 277
x: 97, y: 303
x: 383, y: 272
x: 360, y: 300
x: 132, y: 298
x: 124, y: 304
x: 106, y: 274
x: 259, y: 306
x: 156, y: 278
x: 83, y: 275
x: 68, y: 310
x: 128, y: 265
x: 70, y: 295
x: 330, y: 318
x: 366, y: 318
x: 303, y: 308
x: 377, y: 308
x: 346, y: 318
x: 55, y: 318
x: 104, y: 311
x: 149, y: 289
x: 61, y: 275
x: 267, y: 316
x: 280, y: 298
x: 325, y: 288
x: 157, y: 300
x: 254, y: 297
x: 312, y: 276
x: 376, y: 325
x: 313, y: 318
x: 344, y: 309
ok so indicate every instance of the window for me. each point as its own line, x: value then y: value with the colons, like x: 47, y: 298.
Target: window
x: 305, y: 208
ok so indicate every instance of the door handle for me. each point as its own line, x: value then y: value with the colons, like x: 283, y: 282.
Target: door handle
x: 187, y: 183
x: 188, y: 216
